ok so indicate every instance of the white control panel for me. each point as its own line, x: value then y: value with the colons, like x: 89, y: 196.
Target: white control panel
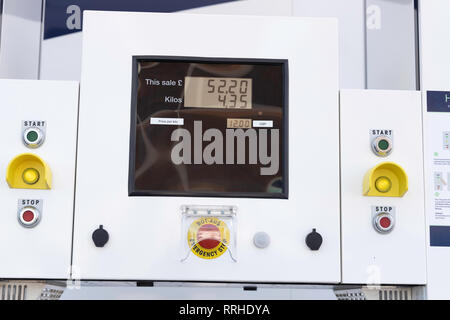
x: 38, y: 139
x: 136, y: 219
x: 383, y: 233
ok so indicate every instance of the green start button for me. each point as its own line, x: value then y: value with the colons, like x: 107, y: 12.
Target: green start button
x: 383, y: 144
x: 33, y: 137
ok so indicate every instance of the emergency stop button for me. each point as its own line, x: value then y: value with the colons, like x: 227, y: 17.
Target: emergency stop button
x: 29, y: 216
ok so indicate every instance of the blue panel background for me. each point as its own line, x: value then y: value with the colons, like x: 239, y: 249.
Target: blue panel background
x: 55, y: 10
x: 438, y: 101
x: 440, y: 236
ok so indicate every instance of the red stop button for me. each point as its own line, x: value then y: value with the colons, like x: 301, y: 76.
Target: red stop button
x: 383, y: 222
x: 29, y: 217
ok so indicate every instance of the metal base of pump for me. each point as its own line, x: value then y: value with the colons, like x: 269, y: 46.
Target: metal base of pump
x: 31, y: 290
x: 380, y: 292
x: 80, y: 290
x: 161, y: 290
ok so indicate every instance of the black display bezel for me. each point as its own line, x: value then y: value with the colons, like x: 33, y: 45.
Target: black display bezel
x: 285, y: 129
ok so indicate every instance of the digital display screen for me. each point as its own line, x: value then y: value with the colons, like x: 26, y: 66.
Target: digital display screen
x: 208, y: 127
x: 232, y: 93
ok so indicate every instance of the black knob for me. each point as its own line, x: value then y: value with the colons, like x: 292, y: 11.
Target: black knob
x: 100, y: 236
x: 314, y: 240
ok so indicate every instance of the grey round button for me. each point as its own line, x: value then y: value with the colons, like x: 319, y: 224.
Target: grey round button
x: 261, y: 240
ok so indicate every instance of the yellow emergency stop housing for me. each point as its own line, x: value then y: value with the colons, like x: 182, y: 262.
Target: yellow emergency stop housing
x: 28, y: 171
x: 386, y: 179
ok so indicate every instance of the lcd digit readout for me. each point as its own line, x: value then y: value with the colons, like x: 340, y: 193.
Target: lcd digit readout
x: 231, y: 93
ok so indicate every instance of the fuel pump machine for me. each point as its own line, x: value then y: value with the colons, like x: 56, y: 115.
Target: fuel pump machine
x: 207, y: 151
x: 213, y: 150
